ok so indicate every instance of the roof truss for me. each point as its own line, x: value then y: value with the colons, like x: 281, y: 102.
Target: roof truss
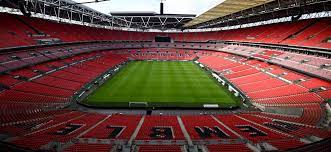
x: 162, y: 22
x: 70, y: 10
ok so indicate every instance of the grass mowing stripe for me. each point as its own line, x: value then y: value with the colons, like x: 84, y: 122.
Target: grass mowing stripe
x: 161, y: 84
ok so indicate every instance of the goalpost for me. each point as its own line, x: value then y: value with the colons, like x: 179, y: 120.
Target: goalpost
x: 138, y: 104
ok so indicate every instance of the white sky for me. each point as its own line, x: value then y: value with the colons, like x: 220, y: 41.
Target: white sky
x: 196, y: 7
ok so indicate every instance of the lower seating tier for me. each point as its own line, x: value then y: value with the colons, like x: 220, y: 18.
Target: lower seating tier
x: 77, y: 130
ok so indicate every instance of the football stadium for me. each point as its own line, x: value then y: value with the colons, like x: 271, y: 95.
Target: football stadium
x: 165, y: 75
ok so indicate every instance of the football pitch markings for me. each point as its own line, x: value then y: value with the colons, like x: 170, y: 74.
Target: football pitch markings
x: 161, y: 84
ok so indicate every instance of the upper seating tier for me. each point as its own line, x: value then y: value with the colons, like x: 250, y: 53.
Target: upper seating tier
x: 310, y: 33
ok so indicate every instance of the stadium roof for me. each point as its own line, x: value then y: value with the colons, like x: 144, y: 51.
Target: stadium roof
x: 229, y: 13
x: 226, y: 8
x: 170, y: 6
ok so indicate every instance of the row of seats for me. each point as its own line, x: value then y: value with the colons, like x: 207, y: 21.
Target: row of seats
x: 312, y: 33
x: 69, y: 77
x: 316, y: 65
x: 104, y: 129
x: 158, y: 54
x: 311, y: 114
x: 19, y: 59
x: 48, y: 85
x: 287, y: 129
x: 163, y: 124
x: 207, y: 123
x: 81, y: 147
x: 262, y: 84
x: 59, y: 133
x: 35, y: 121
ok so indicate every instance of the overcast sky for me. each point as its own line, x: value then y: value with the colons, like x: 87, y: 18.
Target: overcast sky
x: 196, y: 7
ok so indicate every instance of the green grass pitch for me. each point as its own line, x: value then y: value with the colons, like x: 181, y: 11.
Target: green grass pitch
x: 162, y: 84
